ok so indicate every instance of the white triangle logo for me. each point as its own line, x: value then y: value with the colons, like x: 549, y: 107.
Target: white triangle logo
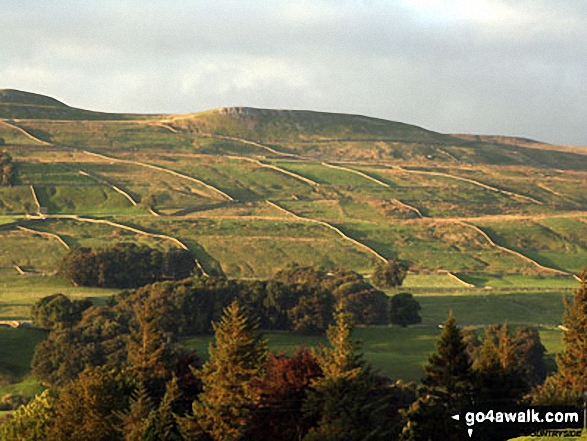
x: 470, y: 433
x: 456, y: 417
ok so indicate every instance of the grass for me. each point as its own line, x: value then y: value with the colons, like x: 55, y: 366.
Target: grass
x: 18, y: 347
x: 480, y: 308
x: 32, y: 252
x: 18, y: 293
x: 397, y: 352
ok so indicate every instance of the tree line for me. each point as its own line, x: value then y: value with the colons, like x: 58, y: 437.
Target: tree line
x: 118, y: 373
x: 299, y: 299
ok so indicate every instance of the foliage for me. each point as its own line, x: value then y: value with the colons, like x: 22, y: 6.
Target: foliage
x: 519, y: 353
x: 30, y: 422
x: 368, y: 306
x: 390, y: 274
x: 447, y: 386
x: 125, y: 265
x: 345, y: 401
x: 223, y: 411
x: 99, y: 339
x: 567, y: 385
x: 498, y: 375
x: 404, y: 310
x: 57, y: 310
x: 86, y: 408
x: 282, y: 389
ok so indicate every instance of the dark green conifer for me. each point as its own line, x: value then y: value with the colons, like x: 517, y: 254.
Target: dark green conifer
x: 344, y: 401
x: 223, y: 411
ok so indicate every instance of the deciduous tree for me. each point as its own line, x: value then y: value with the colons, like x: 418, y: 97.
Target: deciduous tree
x: 390, y: 274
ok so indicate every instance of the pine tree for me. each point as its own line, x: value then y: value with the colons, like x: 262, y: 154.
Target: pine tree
x: 343, y: 399
x: 161, y: 424
x: 87, y: 407
x: 448, y: 372
x: 570, y: 381
x: 223, y: 410
x: 498, y: 378
x: 133, y: 420
x: 150, y: 351
x: 447, y: 386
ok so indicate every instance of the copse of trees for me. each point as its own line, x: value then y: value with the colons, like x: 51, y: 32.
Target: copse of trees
x: 104, y: 335
x: 125, y: 265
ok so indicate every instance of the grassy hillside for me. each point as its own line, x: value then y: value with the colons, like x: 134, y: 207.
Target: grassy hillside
x: 249, y: 191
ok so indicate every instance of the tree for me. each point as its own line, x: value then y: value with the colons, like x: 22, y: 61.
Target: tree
x: 448, y: 372
x: 151, y: 354
x: 224, y: 410
x: 283, y: 390
x: 367, y: 305
x: 143, y: 421
x: 345, y: 400
x: 124, y: 265
x: 30, y: 422
x: 447, y: 386
x: 498, y: 376
x: 390, y: 274
x: 86, y: 407
x: 404, y: 310
x: 567, y: 385
x: 57, y: 310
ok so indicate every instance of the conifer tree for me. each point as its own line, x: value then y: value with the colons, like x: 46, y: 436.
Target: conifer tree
x: 87, y: 407
x: 497, y: 377
x: 448, y: 372
x: 150, y: 351
x: 447, y: 386
x: 133, y: 419
x: 570, y: 381
x: 342, y: 400
x: 223, y: 411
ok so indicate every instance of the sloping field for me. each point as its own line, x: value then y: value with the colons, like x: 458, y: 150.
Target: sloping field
x: 250, y: 191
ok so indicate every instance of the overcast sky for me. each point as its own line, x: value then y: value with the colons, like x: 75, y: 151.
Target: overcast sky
x: 511, y: 67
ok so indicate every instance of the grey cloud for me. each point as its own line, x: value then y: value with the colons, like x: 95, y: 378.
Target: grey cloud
x: 515, y: 75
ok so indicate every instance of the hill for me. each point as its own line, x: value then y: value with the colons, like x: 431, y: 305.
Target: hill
x: 16, y: 104
x: 250, y: 191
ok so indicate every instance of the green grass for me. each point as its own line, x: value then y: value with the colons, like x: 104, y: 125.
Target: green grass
x: 17, y: 349
x: 18, y: 199
x: 18, y: 346
x: 32, y: 252
x: 82, y: 200
x: 510, y: 281
x: 483, y: 308
x: 430, y: 281
x: 18, y: 293
x: 397, y: 352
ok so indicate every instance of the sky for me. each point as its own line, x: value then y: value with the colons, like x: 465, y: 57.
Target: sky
x: 506, y: 67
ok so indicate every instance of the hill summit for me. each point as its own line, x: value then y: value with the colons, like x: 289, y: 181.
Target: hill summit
x: 18, y: 97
